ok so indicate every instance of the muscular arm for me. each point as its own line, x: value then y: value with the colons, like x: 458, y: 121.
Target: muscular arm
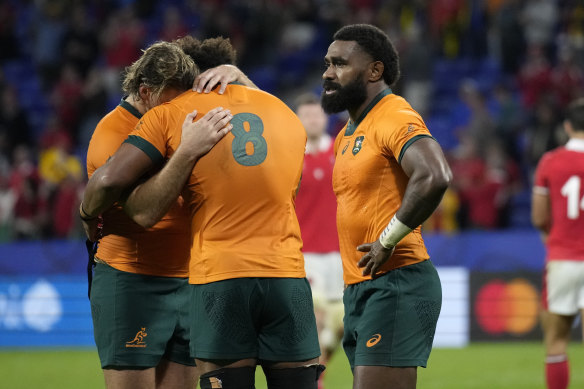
x: 430, y: 175
x: 540, y: 213
x: 152, y: 199
x: 108, y: 182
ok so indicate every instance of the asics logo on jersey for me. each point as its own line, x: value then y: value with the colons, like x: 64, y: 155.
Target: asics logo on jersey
x: 374, y: 340
x: 138, y: 340
x: 345, y: 148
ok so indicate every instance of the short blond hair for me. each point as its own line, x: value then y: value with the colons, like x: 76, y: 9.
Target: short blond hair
x: 162, y: 65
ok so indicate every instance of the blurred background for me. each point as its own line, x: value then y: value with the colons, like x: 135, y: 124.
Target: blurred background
x: 491, y: 79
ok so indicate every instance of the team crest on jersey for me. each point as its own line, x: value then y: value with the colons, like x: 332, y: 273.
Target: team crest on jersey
x: 345, y: 148
x: 358, y: 144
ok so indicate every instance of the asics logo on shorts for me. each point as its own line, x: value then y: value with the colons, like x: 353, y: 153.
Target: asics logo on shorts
x: 374, y: 340
x: 138, y: 340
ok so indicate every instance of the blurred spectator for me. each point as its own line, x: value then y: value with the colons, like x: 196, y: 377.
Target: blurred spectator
x: 468, y: 168
x: 80, y: 43
x: 502, y: 172
x: 66, y: 98
x: 7, y: 202
x: 508, y: 36
x: 534, y: 76
x: 509, y: 120
x: 539, y: 18
x: 543, y: 132
x: 417, y: 69
x: 8, y: 40
x: 567, y: 79
x: 31, y: 199
x: 55, y: 134
x: 13, y: 119
x: 121, y: 42
x: 173, y: 26
x: 66, y: 206
x: 480, y: 125
x: 571, y: 34
x: 445, y: 24
x: 93, y: 106
x: 56, y: 165
x: 48, y: 29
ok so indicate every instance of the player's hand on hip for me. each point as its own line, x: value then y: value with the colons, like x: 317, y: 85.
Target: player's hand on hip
x: 222, y: 74
x: 198, y: 137
x: 376, y: 255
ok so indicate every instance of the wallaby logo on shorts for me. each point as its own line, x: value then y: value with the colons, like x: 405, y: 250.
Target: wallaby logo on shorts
x: 138, y: 340
x: 374, y: 340
x: 358, y: 144
x: 215, y: 383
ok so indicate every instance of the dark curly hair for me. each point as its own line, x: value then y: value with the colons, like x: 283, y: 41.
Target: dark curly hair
x: 376, y: 43
x: 575, y: 114
x: 209, y: 53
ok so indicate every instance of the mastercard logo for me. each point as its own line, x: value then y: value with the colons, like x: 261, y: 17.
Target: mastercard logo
x: 507, y: 307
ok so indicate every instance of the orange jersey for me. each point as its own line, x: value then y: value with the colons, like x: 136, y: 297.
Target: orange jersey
x: 162, y: 250
x: 369, y: 182
x: 242, y: 192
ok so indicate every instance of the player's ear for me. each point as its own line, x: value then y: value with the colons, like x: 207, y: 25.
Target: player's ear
x: 376, y: 71
x: 568, y: 129
x: 144, y: 92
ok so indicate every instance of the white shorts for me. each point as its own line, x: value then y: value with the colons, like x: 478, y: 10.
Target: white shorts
x: 325, y: 275
x: 563, y: 291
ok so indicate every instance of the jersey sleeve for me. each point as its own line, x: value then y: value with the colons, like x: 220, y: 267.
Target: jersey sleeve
x: 150, y: 135
x: 400, y: 130
x: 541, y: 181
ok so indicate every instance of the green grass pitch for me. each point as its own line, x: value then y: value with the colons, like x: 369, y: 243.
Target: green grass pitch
x: 478, y: 366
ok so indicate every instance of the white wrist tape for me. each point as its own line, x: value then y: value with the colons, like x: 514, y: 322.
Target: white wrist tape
x: 393, y: 233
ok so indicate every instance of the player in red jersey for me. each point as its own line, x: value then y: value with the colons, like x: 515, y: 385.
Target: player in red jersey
x: 316, y: 208
x: 558, y: 212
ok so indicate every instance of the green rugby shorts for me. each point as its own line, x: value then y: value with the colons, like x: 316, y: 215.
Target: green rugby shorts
x: 391, y: 320
x: 139, y: 319
x: 269, y: 319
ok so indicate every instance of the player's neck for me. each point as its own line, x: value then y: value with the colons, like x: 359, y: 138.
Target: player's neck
x: 313, y: 144
x: 372, y: 91
x: 137, y: 103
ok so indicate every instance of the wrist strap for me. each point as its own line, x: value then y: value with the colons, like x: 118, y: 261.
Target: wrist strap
x: 393, y: 233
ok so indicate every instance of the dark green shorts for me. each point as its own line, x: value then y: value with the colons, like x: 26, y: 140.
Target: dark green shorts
x: 138, y: 319
x: 270, y: 319
x: 391, y: 321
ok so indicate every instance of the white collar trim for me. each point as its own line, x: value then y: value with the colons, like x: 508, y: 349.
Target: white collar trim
x: 575, y: 144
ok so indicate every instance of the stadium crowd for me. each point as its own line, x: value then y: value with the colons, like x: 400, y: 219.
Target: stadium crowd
x: 491, y: 78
